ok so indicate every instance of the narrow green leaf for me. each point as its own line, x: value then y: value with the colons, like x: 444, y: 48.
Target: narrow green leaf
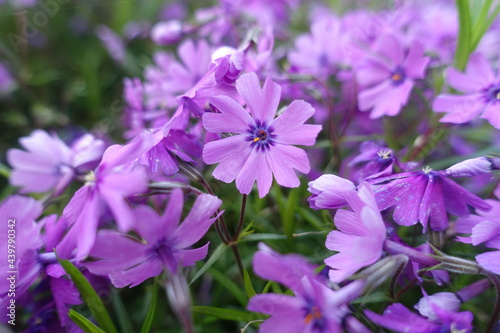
x: 4, y: 171
x: 213, y: 258
x: 121, y: 312
x: 482, y: 23
x: 227, y: 314
x: 266, y: 287
x: 464, y: 34
x: 86, y: 325
x: 248, y: 284
x: 148, y: 322
x: 230, y: 286
x: 89, y: 296
x: 377, y: 297
x: 312, y: 219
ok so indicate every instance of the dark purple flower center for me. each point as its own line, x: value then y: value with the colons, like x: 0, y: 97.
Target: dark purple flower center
x: 492, y: 93
x: 398, y: 76
x: 314, y: 317
x: 261, y: 136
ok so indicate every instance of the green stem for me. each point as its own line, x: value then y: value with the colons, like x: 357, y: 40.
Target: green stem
x: 464, y: 34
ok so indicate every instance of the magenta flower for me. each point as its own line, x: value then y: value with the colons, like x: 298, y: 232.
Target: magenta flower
x: 389, y: 76
x: 130, y: 261
x: 50, y: 164
x: 482, y: 94
x: 424, y: 196
x: 360, y: 236
x: 262, y: 146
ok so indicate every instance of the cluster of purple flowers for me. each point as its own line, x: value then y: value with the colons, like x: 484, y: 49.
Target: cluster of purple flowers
x: 243, y: 100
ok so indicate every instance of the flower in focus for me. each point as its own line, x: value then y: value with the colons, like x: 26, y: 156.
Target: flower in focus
x: 424, y: 196
x: 360, y: 236
x: 262, y: 146
x: 389, y: 76
x: 481, y: 88
x: 129, y: 261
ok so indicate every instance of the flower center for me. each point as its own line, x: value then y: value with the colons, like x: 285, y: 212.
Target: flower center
x: 398, y: 76
x: 313, y: 315
x: 384, y: 154
x: 260, y: 135
x: 492, y: 94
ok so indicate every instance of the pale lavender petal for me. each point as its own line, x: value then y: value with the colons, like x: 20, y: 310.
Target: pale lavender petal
x: 470, y: 167
x: 283, y: 159
x: 232, y: 117
x: 484, y: 231
x: 232, y: 153
x: 444, y: 300
x: 490, y: 261
x: 492, y: 114
x: 463, y: 82
x: 328, y: 192
x: 146, y: 224
x: 289, y: 126
x: 274, y: 304
x: 372, y: 72
x: 389, y: 47
x: 399, y: 319
x: 415, y: 62
x: 172, y: 215
x: 256, y: 168
x: 263, y: 103
x: 136, y: 275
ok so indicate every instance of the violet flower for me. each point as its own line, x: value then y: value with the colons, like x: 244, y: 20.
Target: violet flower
x: 49, y: 164
x: 314, y: 308
x: 484, y: 227
x: 329, y: 191
x: 424, y: 196
x: 130, y: 261
x: 438, y: 313
x: 262, y: 146
x: 360, y: 236
x: 481, y: 88
x: 389, y: 76
x: 107, y: 187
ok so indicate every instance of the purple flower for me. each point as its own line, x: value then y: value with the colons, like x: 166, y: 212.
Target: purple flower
x: 424, y: 196
x: 484, y: 228
x: 329, y: 191
x: 49, y: 164
x: 389, y: 76
x: 6, y: 80
x: 130, y: 261
x: 314, y: 308
x: 107, y: 187
x: 481, y: 88
x: 167, y: 32
x: 262, y: 146
x: 438, y: 313
x: 360, y: 236
x: 112, y: 42
x: 319, y: 53
x: 474, y: 167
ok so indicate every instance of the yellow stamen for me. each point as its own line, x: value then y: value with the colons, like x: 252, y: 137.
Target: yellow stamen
x: 256, y: 139
x: 314, y: 314
x: 396, y: 77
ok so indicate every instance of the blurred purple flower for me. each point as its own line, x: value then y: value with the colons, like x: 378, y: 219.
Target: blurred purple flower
x: 484, y: 228
x: 389, y: 75
x: 113, y: 43
x: 129, y: 261
x: 6, y: 80
x: 438, y: 313
x: 314, y: 308
x: 167, y: 32
x: 482, y: 94
x: 474, y: 167
x: 49, y: 164
x: 107, y: 187
x: 424, y: 196
x: 263, y: 144
x: 360, y: 236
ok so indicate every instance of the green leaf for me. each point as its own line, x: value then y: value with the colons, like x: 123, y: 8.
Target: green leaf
x: 262, y: 237
x: 377, y: 297
x: 121, y: 313
x: 148, y: 322
x: 288, y: 215
x: 227, y: 314
x: 4, y: 171
x: 312, y: 219
x: 248, y: 284
x: 232, y: 287
x: 89, y: 296
x: 267, y: 287
x: 213, y: 258
x: 482, y: 23
x: 86, y: 325
x: 464, y: 34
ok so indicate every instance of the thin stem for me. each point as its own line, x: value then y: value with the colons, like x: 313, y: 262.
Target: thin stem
x: 414, y: 255
x: 395, y: 279
x: 242, y: 217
